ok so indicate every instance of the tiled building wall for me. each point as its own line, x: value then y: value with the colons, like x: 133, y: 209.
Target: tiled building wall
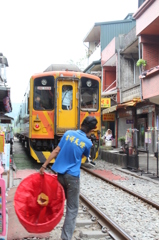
x: 151, y: 54
x: 147, y: 17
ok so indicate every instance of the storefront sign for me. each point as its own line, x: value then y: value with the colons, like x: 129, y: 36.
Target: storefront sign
x: 129, y: 121
x: 105, y: 102
x: 122, y: 113
x: 146, y: 137
x: 149, y: 137
x: 109, y: 117
x: 152, y: 129
x: 145, y: 109
x: 6, y: 156
x: 1, y: 143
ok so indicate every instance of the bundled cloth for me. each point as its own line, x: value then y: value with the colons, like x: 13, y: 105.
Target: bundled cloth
x: 6, y: 102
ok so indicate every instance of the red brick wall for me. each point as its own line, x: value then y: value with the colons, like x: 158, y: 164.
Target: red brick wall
x: 151, y: 54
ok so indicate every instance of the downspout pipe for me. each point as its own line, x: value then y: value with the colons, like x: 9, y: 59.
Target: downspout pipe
x: 140, y: 69
x: 87, y: 53
x: 118, y: 72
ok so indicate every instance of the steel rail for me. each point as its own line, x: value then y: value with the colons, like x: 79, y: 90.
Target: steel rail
x: 152, y: 203
x: 114, y: 230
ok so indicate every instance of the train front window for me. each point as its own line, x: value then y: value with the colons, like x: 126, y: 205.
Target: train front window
x: 89, y: 94
x: 44, y: 93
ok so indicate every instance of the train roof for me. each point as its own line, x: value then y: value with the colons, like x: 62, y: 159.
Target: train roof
x: 63, y: 67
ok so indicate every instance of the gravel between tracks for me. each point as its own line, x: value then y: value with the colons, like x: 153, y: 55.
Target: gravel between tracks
x: 139, y: 219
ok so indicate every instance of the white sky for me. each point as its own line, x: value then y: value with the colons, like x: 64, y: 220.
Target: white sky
x: 37, y: 33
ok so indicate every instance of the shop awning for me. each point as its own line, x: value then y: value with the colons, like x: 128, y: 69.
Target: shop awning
x: 130, y: 103
x: 5, y: 119
x: 122, y: 105
x: 111, y: 109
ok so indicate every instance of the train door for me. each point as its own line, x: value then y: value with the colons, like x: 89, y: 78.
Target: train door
x: 67, y: 106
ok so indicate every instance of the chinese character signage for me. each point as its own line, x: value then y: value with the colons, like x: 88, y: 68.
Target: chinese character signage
x: 129, y: 121
x: 1, y: 143
x: 105, y: 102
x: 109, y: 117
x: 146, y: 137
x: 149, y: 136
x: 6, y: 156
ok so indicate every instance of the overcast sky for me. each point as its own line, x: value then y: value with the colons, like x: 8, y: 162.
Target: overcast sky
x: 37, y: 33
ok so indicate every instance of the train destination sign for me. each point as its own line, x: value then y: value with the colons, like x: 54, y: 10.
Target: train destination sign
x: 43, y: 88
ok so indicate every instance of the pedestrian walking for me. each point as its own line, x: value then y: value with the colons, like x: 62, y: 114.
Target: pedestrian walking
x: 69, y: 152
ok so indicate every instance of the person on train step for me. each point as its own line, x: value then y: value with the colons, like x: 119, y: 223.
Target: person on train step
x: 69, y: 152
x: 67, y: 97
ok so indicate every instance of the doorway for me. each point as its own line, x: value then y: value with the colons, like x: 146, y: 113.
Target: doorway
x: 142, y: 127
x: 67, y: 105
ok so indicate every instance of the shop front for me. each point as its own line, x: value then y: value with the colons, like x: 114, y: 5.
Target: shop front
x: 146, y: 124
x: 108, y: 117
x: 126, y: 120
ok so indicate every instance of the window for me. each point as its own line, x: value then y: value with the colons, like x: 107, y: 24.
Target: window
x: 67, y: 97
x: 44, y: 93
x: 89, y: 94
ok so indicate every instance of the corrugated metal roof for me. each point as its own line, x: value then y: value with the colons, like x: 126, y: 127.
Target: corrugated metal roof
x: 109, y: 31
x: 5, y: 117
x: 94, y: 66
x: 106, y: 31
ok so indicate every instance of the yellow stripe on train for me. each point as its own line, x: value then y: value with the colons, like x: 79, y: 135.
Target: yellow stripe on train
x: 45, y: 156
x: 40, y: 157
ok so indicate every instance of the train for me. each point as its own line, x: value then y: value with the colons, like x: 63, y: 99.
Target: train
x: 42, y: 119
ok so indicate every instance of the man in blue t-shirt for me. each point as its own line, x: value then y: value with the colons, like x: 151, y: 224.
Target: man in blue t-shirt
x: 69, y: 152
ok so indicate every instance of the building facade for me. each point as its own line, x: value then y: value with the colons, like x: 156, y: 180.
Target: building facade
x: 133, y: 89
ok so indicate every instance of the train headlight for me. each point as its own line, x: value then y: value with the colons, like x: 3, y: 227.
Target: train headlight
x: 37, y: 126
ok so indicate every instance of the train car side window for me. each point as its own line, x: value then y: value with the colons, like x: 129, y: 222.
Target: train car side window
x: 28, y: 106
x: 44, y: 93
x: 67, y: 97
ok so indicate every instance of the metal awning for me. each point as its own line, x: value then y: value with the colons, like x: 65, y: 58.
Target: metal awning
x: 111, y: 109
x: 122, y: 105
x: 5, y: 119
x: 131, y: 103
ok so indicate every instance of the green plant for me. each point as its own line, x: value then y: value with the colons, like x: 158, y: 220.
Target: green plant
x: 141, y: 62
x: 101, y: 141
x: 121, y: 139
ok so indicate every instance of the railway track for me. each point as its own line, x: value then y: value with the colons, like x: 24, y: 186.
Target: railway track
x: 134, y: 213
x: 135, y: 194
x: 109, y: 229
x: 108, y: 210
x: 92, y: 224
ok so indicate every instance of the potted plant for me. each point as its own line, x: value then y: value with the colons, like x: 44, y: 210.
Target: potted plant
x: 141, y: 63
x: 122, y: 140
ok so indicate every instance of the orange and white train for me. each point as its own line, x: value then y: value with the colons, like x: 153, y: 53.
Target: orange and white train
x: 41, y: 126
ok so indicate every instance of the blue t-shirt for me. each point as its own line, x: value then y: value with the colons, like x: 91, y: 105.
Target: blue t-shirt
x: 73, y: 145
